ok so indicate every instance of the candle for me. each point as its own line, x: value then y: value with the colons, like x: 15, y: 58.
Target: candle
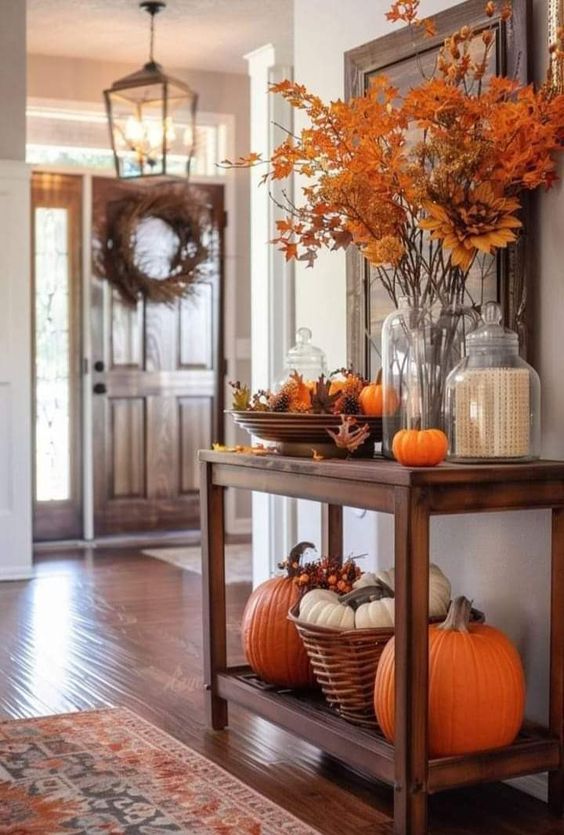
x: 493, y: 413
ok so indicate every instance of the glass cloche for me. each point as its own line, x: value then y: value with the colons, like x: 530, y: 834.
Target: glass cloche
x: 493, y: 398
x: 305, y: 358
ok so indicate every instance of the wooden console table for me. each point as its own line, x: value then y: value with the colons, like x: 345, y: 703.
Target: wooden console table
x: 412, y: 495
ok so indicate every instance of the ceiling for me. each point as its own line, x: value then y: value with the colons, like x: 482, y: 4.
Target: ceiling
x: 198, y: 34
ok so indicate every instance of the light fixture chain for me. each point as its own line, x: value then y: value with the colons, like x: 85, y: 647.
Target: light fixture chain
x: 152, y: 7
x: 152, y: 41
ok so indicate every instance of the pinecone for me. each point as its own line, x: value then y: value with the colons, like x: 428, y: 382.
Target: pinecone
x: 280, y: 402
x: 349, y: 403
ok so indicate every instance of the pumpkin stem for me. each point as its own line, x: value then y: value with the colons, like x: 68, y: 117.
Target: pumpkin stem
x: 379, y: 378
x: 458, y: 616
x: 292, y: 564
x: 366, y: 594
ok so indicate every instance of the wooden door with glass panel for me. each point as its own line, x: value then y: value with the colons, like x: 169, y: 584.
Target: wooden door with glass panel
x: 157, y: 381
x: 56, y: 226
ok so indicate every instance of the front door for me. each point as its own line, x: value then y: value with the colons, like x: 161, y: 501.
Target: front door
x: 157, y: 381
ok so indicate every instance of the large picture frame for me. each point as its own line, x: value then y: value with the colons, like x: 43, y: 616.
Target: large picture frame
x: 556, y: 22
x: 397, y: 56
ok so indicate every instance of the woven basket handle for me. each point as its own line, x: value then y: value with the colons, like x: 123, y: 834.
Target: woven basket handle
x: 366, y: 594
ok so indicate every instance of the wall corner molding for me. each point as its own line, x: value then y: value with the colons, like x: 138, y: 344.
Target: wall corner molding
x: 16, y: 423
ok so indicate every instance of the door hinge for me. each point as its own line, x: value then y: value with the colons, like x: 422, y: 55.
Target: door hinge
x: 85, y: 365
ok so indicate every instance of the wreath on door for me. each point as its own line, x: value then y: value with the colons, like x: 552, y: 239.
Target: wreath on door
x: 153, y: 244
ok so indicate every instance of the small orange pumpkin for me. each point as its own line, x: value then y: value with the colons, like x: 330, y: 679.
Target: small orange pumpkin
x: 476, y: 686
x: 271, y: 643
x: 336, y: 386
x: 378, y: 401
x: 420, y: 447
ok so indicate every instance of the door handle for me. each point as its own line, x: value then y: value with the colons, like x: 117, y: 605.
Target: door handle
x: 99, y: 388
x: 99, y: 365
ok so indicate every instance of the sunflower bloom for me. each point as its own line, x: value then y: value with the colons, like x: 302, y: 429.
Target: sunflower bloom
x: 479, y: 221
x: 387, y: 250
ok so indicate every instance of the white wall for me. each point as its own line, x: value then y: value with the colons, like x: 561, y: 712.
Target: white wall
x: 15, y: 370
x: 501, y: 560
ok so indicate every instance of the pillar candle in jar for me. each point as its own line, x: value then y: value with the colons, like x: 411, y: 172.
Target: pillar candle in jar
x: 493, y: 413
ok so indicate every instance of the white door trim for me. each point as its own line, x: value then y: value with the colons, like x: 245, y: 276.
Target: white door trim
x: 15, y: 373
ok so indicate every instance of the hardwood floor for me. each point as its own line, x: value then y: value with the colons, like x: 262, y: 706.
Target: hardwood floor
x: 113, y: 627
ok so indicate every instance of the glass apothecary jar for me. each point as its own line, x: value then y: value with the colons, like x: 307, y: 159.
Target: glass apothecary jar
x: 304, y: 358
x: 493, y: 398
x: 420, y: 347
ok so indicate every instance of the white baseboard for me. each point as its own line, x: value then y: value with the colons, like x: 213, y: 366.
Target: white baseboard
x: 534, y: 784
x: 15, y: 572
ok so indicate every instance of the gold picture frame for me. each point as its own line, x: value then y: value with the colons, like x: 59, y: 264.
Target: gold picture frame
x: 556, y: 22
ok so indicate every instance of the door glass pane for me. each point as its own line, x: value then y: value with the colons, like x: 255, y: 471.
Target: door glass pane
x: 52, y: 355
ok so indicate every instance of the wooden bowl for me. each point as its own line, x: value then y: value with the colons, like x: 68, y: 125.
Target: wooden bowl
x: 298, y: 434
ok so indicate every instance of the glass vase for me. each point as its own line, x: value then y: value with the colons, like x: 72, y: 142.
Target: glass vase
x: 420, y: 347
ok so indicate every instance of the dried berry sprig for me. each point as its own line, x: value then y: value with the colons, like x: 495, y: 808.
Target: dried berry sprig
x: 326, y: 573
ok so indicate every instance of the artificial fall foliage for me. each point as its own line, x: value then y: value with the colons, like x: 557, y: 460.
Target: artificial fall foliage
x: 427, y: 184
x: 350, y: 435
x: 257, y: 449
x: 337, y: 394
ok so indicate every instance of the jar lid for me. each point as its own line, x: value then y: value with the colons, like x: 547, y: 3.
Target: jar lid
x: 304, y: 355
x: 492, y: 334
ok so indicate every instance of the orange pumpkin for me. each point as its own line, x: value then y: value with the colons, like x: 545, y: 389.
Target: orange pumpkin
x: 378, y: 401
x: 272, y: 646
x: 476, y: 686
x: 420, y: 447
x: 336, y: 386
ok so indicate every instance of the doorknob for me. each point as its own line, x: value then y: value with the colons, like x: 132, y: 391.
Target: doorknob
x: 99, y: 388
x: 98, y: 365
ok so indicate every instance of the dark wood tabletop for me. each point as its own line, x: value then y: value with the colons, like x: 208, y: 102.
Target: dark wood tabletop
x: 382, y: 471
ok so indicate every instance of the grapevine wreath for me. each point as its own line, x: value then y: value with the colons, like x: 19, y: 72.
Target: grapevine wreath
x: 120, y: 263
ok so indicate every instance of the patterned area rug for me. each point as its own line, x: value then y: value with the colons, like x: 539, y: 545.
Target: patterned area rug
x: 238, y: 566
x: 108, y: 772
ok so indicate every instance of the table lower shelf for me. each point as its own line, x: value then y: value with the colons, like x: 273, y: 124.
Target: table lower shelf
x: 308, y: 717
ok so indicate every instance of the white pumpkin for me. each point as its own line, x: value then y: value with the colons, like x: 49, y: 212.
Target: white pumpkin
x: 323, y: 607
x: 366, y: 579
x: 363, y: 608
x: 439, y: 587
x: 313, y: 597
x: 376, y: 614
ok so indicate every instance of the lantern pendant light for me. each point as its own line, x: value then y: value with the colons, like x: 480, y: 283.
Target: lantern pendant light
x: 152, y: 118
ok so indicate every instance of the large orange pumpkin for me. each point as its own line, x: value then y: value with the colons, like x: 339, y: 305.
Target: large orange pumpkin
x: 420, y: 447
x: 272, y: 646
x: 378, y: 401
x: 476, y: 686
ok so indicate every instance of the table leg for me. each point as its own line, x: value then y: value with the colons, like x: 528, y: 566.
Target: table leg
x: 213, y: 594
x: 332, y: 530
x: 411, y: 647
x: 556, y: 778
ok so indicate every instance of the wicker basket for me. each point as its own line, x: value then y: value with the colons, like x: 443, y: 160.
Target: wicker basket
x: 344, y: 663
